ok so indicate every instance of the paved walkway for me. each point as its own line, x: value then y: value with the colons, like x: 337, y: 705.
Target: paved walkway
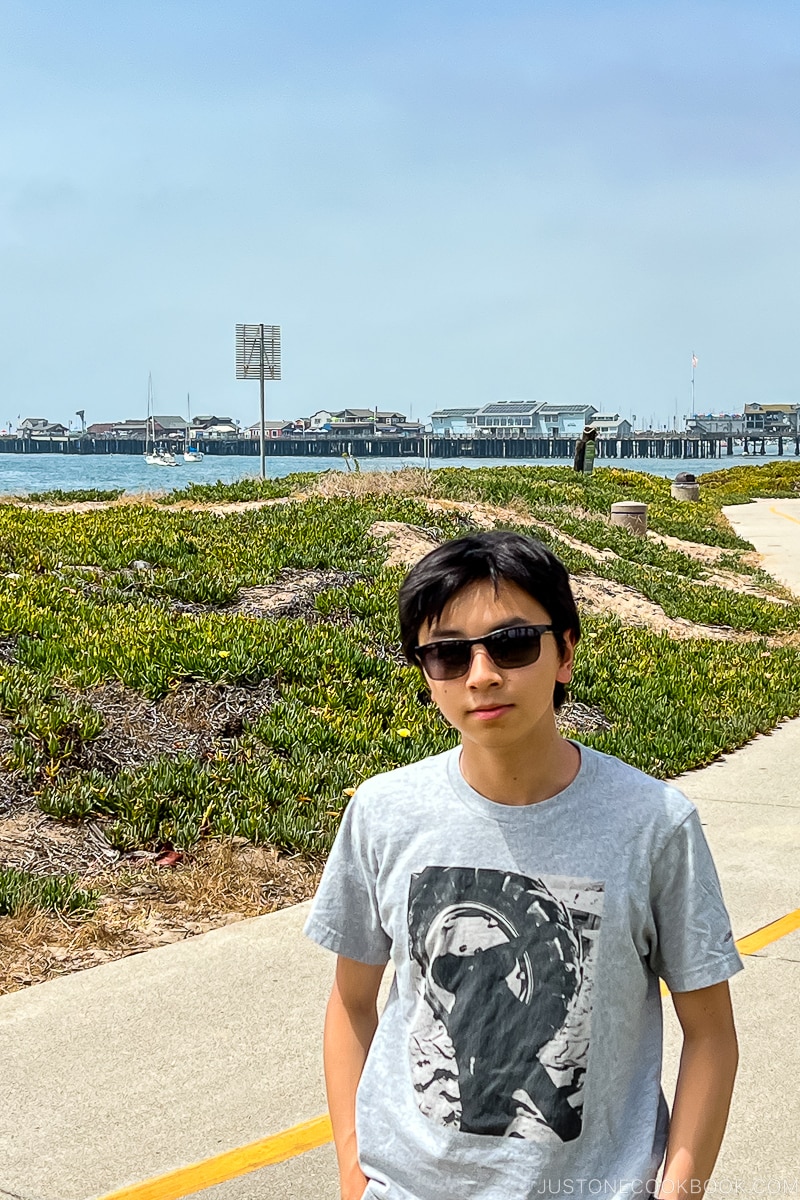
x: 131, y: 1070
x: 773, y: 526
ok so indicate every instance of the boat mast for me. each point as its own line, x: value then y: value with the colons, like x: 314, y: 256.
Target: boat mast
x: 150, y: 424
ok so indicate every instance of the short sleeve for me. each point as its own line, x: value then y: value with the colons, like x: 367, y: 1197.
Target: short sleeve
x: 692, y: 942
x: 345, y: 917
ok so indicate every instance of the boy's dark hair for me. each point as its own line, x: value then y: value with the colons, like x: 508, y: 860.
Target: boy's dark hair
x: 500, y: 556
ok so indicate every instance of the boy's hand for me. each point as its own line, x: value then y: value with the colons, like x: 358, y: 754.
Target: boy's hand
x: 355, y: 1185
x: 350, y: 1023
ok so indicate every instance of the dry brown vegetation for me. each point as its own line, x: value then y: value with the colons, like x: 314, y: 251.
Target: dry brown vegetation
x: 143, y: 906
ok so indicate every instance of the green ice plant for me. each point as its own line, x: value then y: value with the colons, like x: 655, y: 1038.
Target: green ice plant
x: 22, y: 892
x: 75, y: 613
x: 76, y: 496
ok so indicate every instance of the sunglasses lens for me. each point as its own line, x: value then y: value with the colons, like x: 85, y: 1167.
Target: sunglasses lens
x: 446, y: 660
x: 514, y: 647
x: 508, y: 648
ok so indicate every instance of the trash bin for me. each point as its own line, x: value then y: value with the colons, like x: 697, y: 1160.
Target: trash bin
x: 685, y: 487
x: 631, y: 515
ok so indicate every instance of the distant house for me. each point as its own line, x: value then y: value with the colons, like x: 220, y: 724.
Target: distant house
x: 126, y: 431
x: 772, y: 418
x: 452, y: 422
x: 404, y: 428
x: 354, y: 416
x: 609, y: 425
x: 171, y: 427
x: 217, y: 428
x: 360, y: 422
x: 41, y: 427
x: 272, y: 429
x: 716, y: 423
x: 366, y: 421
x: 566, y: 420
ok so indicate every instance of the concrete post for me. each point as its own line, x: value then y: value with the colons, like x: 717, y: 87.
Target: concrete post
x: 685, y: 491
x: 631, y: 515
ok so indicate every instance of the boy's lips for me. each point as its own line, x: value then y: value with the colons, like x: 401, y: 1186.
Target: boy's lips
x: 489, y: 711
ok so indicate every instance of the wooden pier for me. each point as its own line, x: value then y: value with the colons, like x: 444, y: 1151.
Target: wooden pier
x: 640, y: 446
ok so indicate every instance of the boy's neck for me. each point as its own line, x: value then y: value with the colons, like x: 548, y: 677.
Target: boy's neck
x: 521, y: 775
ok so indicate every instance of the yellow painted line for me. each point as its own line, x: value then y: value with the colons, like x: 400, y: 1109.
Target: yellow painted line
x: 230, y: 1165
x: 786, y: 516
x: 751, y: 943
x: 278, y: 1147
x: 769, y: 933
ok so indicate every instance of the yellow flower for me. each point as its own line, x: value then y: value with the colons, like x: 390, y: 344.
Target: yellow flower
x: 349, y: 792
x: 403, y: 733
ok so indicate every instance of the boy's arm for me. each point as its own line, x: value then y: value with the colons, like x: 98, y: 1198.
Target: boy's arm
x: 350, y: 1023
x: 708, y: 1064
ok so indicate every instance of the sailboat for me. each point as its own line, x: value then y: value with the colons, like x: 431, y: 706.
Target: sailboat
x: 152, y: 456
x: 190, y: 453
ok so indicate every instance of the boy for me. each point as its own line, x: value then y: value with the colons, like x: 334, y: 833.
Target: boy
x: 529, y: 891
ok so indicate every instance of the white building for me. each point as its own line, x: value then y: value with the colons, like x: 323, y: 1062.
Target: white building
x: 520, y: 415
x: 452, y: 422
x: 532, y: 418
x: 218, y: 428
x: 609, y: 425
x: 566, y: 420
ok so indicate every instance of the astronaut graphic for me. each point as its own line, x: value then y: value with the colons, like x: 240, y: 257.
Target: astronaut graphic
x: 503, y: 969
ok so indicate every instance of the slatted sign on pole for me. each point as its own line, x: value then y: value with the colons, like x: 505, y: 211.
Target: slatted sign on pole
x: 258, y: 356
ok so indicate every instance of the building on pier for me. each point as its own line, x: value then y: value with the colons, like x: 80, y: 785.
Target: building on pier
x: 611, y: 425
x: 531, y: 418
x: 40, y: 427
x: 452, y: 422
x: 361, y: 422
x: 772, y: 418
x: 702, y: 423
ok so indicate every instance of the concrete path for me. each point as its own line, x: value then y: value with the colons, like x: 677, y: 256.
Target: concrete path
x: 773, y: 526
x: 134, y: 1069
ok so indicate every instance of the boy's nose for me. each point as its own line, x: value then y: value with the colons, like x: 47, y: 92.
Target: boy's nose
x: 482, y: 669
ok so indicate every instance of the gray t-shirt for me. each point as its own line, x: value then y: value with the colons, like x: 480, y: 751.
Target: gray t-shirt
x: 519, y: 1053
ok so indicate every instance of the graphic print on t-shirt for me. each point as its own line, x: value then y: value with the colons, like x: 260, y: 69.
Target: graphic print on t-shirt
x: 503, y: 969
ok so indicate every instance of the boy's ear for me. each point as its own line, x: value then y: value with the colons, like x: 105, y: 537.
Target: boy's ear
x: 564, y: 672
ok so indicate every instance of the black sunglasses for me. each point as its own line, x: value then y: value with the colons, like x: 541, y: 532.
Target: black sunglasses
x: 518, y: 646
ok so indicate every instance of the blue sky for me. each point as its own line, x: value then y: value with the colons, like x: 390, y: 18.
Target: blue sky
x: 440, y: 202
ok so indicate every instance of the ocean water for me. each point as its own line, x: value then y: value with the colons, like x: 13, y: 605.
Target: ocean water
x: 24, y: 473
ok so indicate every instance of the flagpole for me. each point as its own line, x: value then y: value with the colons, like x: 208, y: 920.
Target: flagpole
x: 694, y: 364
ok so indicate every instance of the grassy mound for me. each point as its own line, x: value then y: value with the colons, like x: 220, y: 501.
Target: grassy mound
x: 149, y: 600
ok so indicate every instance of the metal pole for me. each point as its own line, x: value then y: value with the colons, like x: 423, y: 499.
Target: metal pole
x: 263, y: 429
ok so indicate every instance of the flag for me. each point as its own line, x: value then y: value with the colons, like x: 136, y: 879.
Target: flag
x: 694, y: 361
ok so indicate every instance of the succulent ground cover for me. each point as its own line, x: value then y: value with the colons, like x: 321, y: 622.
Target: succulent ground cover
x: 189, y: 686
x: 77, y: 495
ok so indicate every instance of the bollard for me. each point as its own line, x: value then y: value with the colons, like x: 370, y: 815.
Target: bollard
x: 685, y: 491
x: 685, y: 487
x: 631, y: 515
